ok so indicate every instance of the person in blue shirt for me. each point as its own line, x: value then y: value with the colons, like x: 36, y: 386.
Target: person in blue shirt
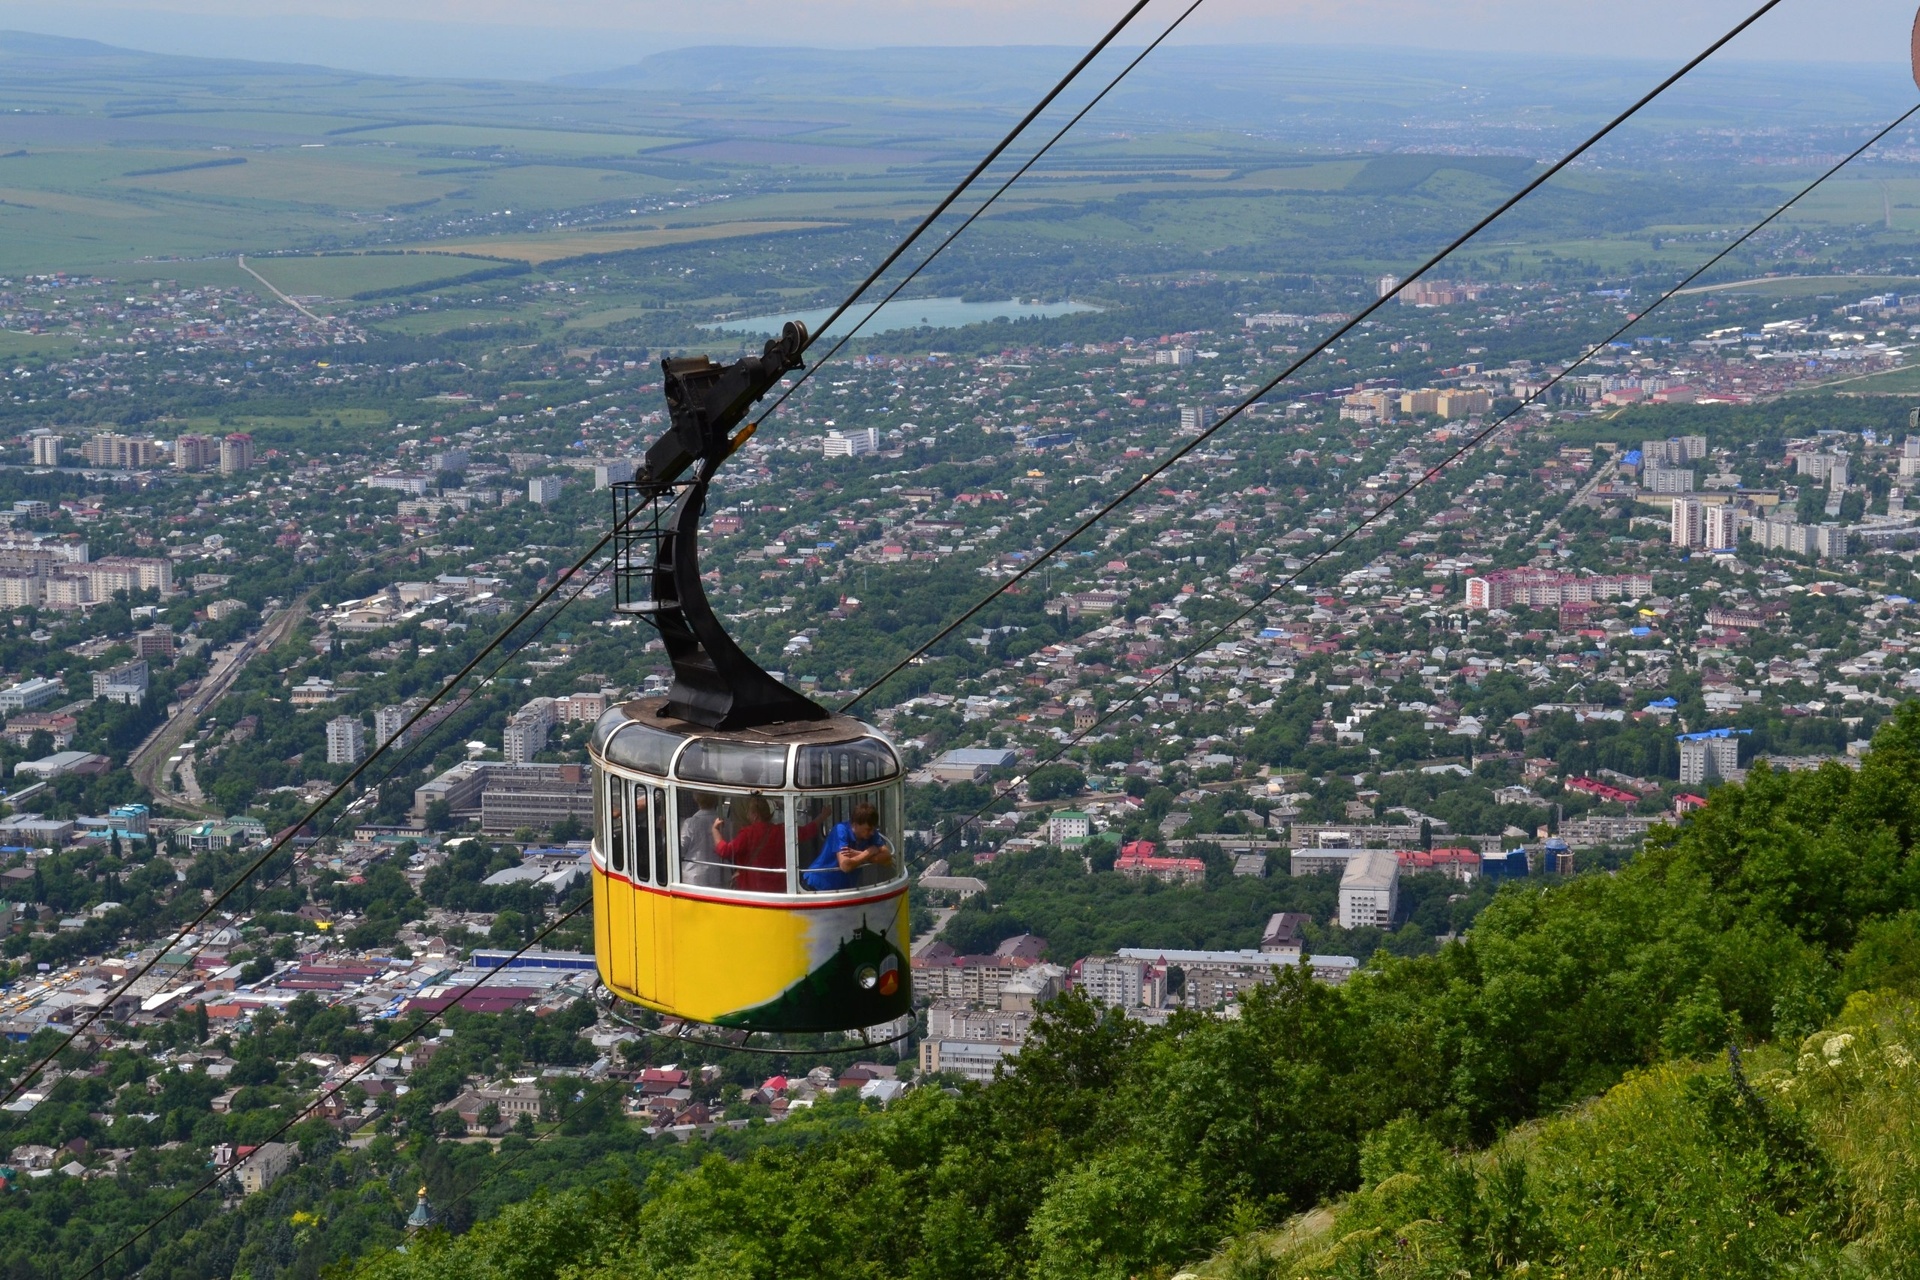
x: 849, y: 846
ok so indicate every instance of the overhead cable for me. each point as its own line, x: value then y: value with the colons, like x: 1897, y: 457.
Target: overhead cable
x: 1427, y: 476
x: 1338, y: 333
x: 973, y: 174
x: 973, y: 217
x: 395, y: 1046
x: 353, y: 776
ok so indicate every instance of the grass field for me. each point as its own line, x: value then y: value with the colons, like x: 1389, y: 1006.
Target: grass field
x: 363, y: 178
x: 269, y: 428
x: 544, y: 142
x: 1849, y: 288
x: 341, y: 275
x: 14, y: 346
x: 1851, y: 201
x: 539, y: 249
x: 1898, y: 382
x: 138, y: 167
x: 428, y: 323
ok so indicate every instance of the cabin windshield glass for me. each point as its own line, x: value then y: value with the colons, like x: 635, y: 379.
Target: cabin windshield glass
x: 738, y: 764
x: 844, y: 764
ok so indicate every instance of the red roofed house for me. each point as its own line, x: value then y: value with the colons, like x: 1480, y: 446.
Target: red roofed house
x: 1138, y: 860
x: 1602, y: 790
x: 1461, y: 864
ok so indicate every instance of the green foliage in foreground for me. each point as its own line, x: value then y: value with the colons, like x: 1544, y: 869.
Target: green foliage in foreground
x: 1117, y: 1151
x: 1795, y: 1166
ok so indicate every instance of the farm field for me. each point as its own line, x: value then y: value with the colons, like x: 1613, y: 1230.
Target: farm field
x: 339, y: 276
x: 549, y: 248
x: 406, y: 202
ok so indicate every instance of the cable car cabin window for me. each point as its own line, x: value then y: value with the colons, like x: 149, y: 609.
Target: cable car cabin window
x: 700, y: 866
x: 659, y: 835
x: 733, y: 842
x: 638, y: 746
x: 613, y: 840
x: 844, y: 764
x: 737, y: 764
x: 848, y: 841
x: 603, y: 728
x: 600, y: 820
x: 641, y: 828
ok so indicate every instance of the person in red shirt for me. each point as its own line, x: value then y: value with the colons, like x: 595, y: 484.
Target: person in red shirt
x: 760, y: 850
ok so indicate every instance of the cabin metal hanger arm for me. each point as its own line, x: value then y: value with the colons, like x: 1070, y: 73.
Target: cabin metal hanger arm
x: 715, y: 683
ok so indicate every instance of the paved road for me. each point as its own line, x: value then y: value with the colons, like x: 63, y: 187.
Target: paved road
x: 190, y: 784
x: 148, y: 757
x: 1585, y: 496
x: 271, y: 288
x: 940, y: 917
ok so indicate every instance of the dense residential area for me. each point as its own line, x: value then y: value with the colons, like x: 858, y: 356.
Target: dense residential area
x: 1251, y: 753
x: 1370, y: 793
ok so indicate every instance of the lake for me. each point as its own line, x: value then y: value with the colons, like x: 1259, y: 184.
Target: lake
x: 911, y: 313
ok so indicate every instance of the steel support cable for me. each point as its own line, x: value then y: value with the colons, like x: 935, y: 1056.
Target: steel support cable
x: 214, y: 904
x: 1316, y: 350
x: 973, y: 217
x: 500, y: 1170
x: 974, y: 174
x: 401, y: 1042
x: 353, y: 776
x: 1474, y: 442
x: 1352, y: 531
x: 396, y: 768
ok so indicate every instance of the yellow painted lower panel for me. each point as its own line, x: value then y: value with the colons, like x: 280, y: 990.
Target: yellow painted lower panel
x: 719, y: 962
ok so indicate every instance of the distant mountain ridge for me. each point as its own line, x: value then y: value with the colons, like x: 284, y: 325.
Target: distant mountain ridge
x: 1320, y: 96
x: 35, y: 51
x: 1217, y: 83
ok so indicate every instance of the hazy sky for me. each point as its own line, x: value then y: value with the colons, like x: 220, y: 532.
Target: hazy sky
x: 540, y: 38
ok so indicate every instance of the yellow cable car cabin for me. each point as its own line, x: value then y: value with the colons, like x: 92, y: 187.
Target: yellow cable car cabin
x: 747, y: 865
x: 751, y: 879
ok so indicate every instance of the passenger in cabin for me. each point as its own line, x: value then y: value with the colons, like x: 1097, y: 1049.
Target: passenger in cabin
x: 699, y: 865
x: 759, y: 850
x: 855, y: 853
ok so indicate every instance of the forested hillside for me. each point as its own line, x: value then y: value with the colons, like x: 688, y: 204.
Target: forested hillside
x: 1118, y: 1151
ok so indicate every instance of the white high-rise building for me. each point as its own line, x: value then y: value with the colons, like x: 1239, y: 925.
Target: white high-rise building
x: 526, y: 733
x: 1665, y: 479
x: 1197, y: 417
x: 1689, y: 522
x: 1723, y: 527
x: 236, y: 453
x: 46, y: 451
x: 388, y: 721
x: 1709, y: 757
x: 543, y: 489
x: 851, y: 444
x: 346, y: 740
x: 608, y: 474
x: 1112, y: 981
x: 1370, y: 889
